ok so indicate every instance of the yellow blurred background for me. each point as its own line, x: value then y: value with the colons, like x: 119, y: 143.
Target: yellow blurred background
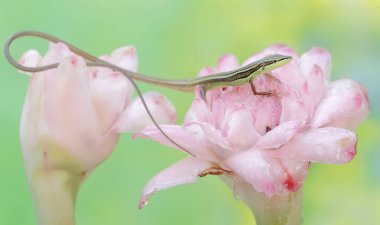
x: 175, y: 39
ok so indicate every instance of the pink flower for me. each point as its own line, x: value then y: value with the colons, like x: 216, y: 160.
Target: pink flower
x: 267, y: 141
x: 81, y: 109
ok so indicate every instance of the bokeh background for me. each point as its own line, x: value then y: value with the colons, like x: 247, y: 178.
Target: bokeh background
x: 175, y: 39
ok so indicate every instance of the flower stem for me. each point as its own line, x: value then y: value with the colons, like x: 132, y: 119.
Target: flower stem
x: 54, y: 178
x: 276, y: 210
x: 54, y: 196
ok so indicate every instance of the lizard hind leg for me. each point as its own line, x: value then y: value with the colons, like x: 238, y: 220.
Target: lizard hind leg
x: 255, y: 92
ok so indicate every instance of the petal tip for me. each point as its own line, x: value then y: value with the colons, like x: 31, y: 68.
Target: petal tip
x: 143, y: 202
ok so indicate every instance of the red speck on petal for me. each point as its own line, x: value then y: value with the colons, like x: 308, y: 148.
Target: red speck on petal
x: 73, y: 60
x: 132, y: 52
x: 159, y: 100
x: 143, y: 202
x: 351, y: 154
x: 290, y: 184
x: 305, y: 87
x: 319, y: 50
x: 173, y: 117
x: 358, y: 100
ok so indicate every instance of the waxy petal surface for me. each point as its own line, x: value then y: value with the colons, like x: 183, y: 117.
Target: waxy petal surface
x: 345, y: 105
x: 136, y: 117
x: 183, y: 172
x: 191, y: 137
x: 280, y: 135
x: 328, y: 145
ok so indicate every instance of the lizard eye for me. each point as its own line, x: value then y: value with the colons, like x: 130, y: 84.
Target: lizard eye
x: 263, y: 68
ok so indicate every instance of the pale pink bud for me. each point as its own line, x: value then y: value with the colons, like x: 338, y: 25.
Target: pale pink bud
x: 79, y: 108
x: 71, y: 122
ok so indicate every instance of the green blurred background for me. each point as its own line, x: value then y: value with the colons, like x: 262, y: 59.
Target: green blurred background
x: 176, y: 39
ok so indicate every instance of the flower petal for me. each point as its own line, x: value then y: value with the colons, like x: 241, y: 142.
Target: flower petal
x: 288, y: 74
x: 191, y: 137
x: 267, y: 116
x: 267, y: 174
x: 136, y: 118
x: 328, y: 145
x: 227, y: 63
x: 238, y: 128
x: 218, y: 144
x: 57, y: 51
x: 31, y: 58
x: 70, y: 115
x: 206, y: 71
x: 254, y: 168
x: 274, y: 49
x: 125, y: 57
x: 314, y: 88
x: 346, y: 104
x: 294, y: 107
x: 183, y: 172
x: 110, y: 94
x: 280, y: 135
x: 316, y: 57
x: 198, y: 112
x: 32, y: 123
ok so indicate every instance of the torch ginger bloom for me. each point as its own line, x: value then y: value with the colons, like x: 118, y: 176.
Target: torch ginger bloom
x: 71, y: 121
x: 267, y: 142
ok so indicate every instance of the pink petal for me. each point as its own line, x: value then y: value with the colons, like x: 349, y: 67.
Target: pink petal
x: 70, y: 115
x: 56, y: 53
x: 316, y: 57
x: 218, y: 111
x: 274, y: 49
x: 294, y: 107
x: 227, y: 63
x: 267, y: 115
x: 238, y: 128
x: 206, y: 71
x: 255, y: 57
x: 281, y: 49
x: 31, y: 58
x: 263, y: 173
x: 254, y: 168
x: 295, y: 173
x: 191, y: 137
x: 68, y: 100
x: 328, y: 145
x: 217, y: 143
x: 267, y: 174
x: 280, y: 135
x: 198, y: 112
x: 125, y: 57
x: 288, y: 74
x: 110, y: 94
x: 136, y: 118
x: 183, y: 172
x: 314, y: 87
x: 32, y: 124
x: 267, y: 83
x: 345, y: 105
